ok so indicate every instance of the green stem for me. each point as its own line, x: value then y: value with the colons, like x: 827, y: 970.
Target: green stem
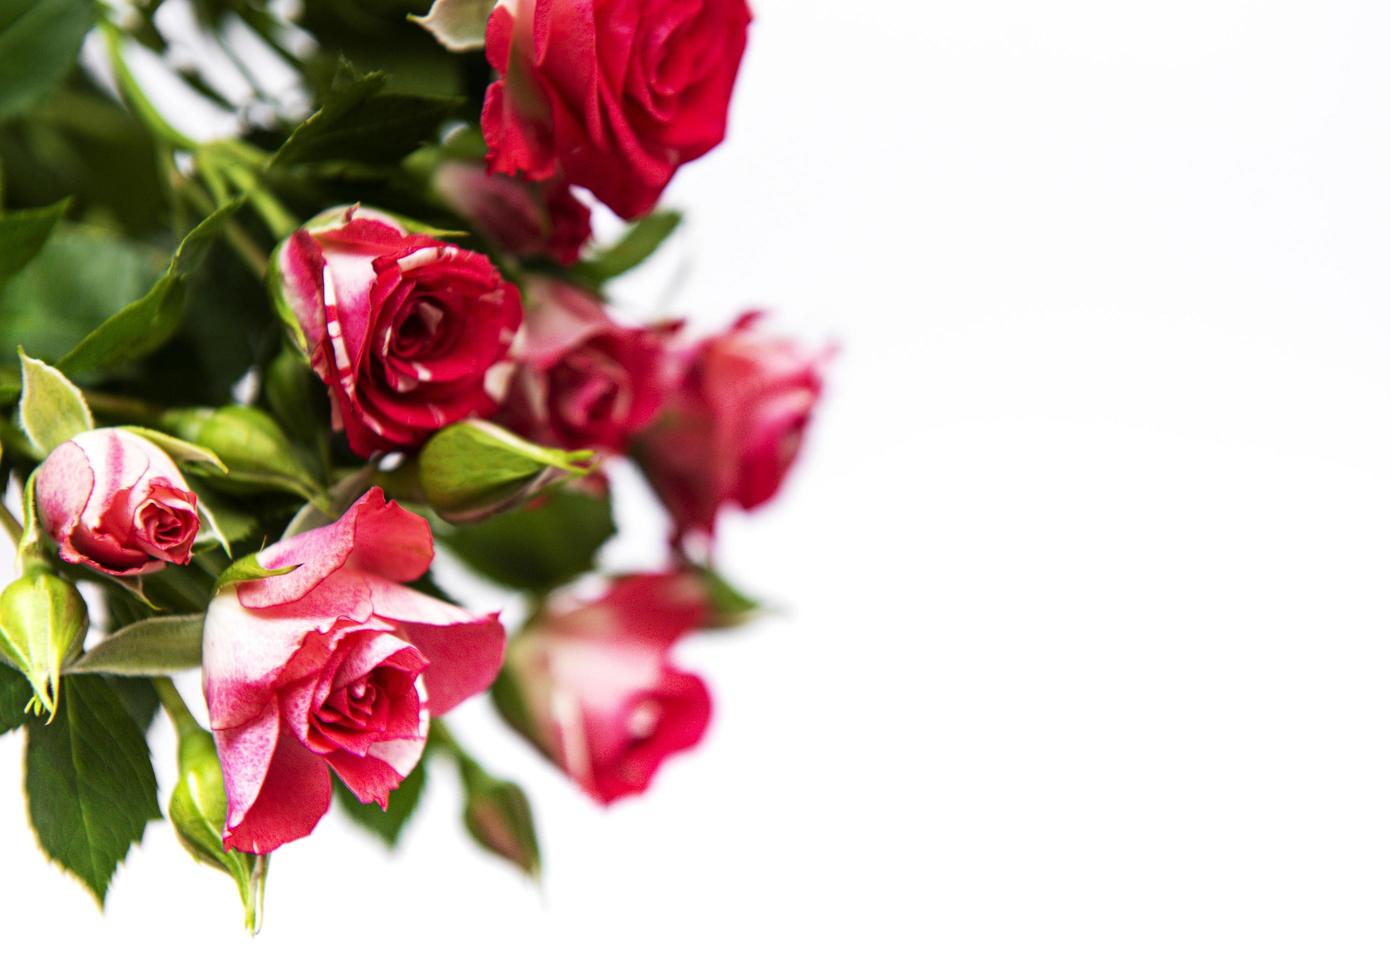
x: 175, y: 706
x: 277, y: 218
x: 135, y: 96
x: 242, y: 243
x: 12, y: 526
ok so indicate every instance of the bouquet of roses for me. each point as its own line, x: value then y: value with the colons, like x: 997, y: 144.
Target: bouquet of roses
x: 299, y: 296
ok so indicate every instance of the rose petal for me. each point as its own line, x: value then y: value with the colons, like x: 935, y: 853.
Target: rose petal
x: 293, y: 798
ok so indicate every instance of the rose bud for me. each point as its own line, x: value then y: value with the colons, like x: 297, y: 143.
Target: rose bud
x: 528, y: 220
x: 43, y: 624
x: 613, y: 96
x: 401, y: 327
x: 115, y: 502
x: 733, y: 426
x: 334, y: 666
x: 198, y: 810
x: 582, y: 380
x: 593, y: 687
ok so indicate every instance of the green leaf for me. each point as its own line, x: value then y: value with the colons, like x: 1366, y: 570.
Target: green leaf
x: 459, y: 25
x: 81, y: 277
x: 146, y: 324
x: 361, y: 123
x: 643, y: 238
x: 727, y: 605
x: 23, y: 234
x: 386, y: 824
x: 540, y: 545
x: 179, y: 450
x: 138, y: 697
x: 51, y: 409
x: 473, y: 469
x: 39, y: 41
x: 258, y: 455
x: 15, y: 692
x: 147, y: 648
x: 90, y: 785
x: 225, y: 522
x: 248, y: 568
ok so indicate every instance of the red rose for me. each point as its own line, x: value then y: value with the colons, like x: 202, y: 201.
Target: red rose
x: 598, y: 692
x: 115, y: 502
x: 401, y: 327
x: 528, y: 220
x: 582, y: 380
x: 334, y: 666
x: 614, y: 94
x: 733, y: 426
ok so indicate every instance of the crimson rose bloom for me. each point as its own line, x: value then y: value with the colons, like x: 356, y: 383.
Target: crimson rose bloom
x: 401, y: 327
x: 334, y: 665
x: 528, y: 220
x: 115, y: 502
x: 614, y: 94
x: 733, y: 426
x: 582, y: 380
x: 597, y: 688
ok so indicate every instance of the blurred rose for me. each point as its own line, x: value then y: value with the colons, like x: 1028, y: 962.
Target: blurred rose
x: 734, y: 425
x: 334, y: 665
x: 582, y: 380
x: 596, y: 688
x: 614, y: 96
x: 115, y: 502
x: 401, y: 327
x: 528, y: 220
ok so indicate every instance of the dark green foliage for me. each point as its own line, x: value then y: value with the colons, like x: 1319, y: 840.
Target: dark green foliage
x: 540, y: 545
x: 90, y: 785
x: 39, y: 41
x: 385, y: 824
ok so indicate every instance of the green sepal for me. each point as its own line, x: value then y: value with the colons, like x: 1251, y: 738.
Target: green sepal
x: 458, y: 25
x: 637, y: 245
x: 248, y: 568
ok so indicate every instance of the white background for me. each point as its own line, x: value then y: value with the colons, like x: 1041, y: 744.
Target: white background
x: 1082, y: 668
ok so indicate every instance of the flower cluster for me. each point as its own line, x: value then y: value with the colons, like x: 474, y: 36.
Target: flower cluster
x: 388, y: 336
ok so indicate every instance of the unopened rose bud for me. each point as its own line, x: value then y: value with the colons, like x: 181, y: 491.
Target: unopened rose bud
x: 498, y: 817
x: 198, y: 809
x: 475, y: 469
x: 256, y: 452
x: 43, y: 623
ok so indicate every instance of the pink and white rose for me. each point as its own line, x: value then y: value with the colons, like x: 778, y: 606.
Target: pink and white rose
x: 734, y: 424
x: 116, y: 503
x: 402, y: 327
x: 599, y: 693
x: 336, y: 666
x: 582, y: 380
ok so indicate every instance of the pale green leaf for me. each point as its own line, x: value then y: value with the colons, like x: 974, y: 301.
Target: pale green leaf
x: 51, y: 408
x: 151, y: 647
